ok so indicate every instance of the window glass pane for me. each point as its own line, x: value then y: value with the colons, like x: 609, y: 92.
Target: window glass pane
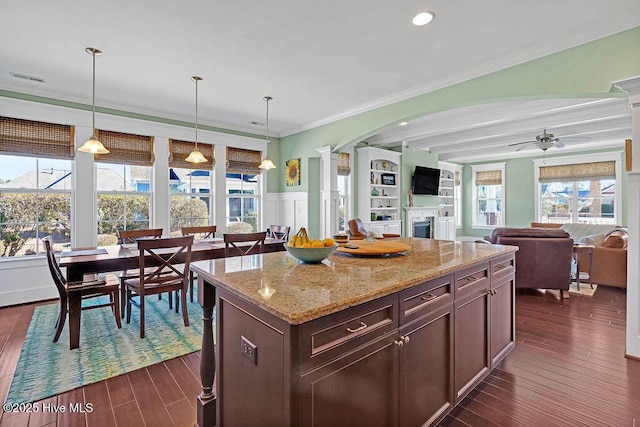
x: 35, y: 202
x: 187, y: 211
x: 582, y: 201
x: 242, y: 204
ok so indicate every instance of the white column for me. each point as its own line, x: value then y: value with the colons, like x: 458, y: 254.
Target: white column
x: 160, y: 185
x: 632, y: 87
x: 84, y: 201
x: 220, y: 188
x: 329, y: 195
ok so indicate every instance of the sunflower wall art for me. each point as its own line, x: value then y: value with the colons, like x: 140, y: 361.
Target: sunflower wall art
x: 292, y: 172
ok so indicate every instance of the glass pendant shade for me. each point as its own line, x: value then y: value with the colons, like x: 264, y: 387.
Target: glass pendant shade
x: 267, y: 164
x: 93, y: 146
x: 196, y: 156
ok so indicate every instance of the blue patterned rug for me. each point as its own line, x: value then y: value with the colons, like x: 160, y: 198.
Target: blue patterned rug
x: 46, y: 369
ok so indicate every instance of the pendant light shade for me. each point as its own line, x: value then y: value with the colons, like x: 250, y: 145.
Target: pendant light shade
x: 196, y: 156
x: 267, y: 163
x: 93, y: 145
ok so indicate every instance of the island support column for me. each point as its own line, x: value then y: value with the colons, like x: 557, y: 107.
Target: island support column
x: 206, y: 405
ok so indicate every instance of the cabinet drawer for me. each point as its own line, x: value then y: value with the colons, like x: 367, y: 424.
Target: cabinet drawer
x: 503, y: 268
x: 426, y: 297
x: 471, y: 279
x: 328, y: 337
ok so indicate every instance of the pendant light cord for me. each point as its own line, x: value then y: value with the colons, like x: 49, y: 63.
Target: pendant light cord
x: 93, y: 53
x: 196, y: 80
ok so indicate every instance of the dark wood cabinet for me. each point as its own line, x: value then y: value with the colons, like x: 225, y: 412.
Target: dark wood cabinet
x: 405, y: 359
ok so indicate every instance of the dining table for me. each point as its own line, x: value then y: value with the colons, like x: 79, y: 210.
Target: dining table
x: 116, y: 258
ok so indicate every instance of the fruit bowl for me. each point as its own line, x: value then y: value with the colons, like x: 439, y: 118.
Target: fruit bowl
x: 310, y: 255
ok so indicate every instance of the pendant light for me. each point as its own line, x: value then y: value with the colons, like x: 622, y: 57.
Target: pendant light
x: 93, y: 145
x: 267, y: 163
x: 196, y: 156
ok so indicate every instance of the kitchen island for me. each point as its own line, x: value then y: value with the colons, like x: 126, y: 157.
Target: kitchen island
x: 395, y: 340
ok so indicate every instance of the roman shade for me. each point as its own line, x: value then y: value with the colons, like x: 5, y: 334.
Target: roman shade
x: 125, y: 148
x: 489, y: 177
x: 240, y: 160
x: 179, y: 150
x: 578, y: 172
x: 36, y: 139
x: 343, y: 164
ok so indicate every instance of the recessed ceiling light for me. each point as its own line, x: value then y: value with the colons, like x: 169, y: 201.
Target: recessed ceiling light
x: 402, y: 124
x: 423, y: 18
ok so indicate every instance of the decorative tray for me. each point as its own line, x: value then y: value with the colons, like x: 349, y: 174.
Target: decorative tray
x: 377, y: 248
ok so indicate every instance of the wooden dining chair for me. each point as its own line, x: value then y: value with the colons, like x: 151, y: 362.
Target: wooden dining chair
x: 230, y: 240
x: 280, y: 232
x: 164, y: 264
x: 128, y: 237
x: 198, y: 232
x: 88, y: 289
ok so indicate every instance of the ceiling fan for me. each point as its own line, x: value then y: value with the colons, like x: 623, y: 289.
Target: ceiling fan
x: 545, y: 140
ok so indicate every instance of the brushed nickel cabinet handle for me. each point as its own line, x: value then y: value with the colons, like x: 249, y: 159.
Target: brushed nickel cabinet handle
x: 405, y: 339
x: 431, y: 296
x: 358, y: 329
x: 399, y: 342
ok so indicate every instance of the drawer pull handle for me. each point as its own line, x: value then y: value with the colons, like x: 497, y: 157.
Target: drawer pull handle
x: 399, y: 342
x: 358, y: 329
x: 429, y: 298
x: 471, y: 278
x: 502, y: 267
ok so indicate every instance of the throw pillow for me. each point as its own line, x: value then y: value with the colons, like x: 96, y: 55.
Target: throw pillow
x: 593, y: 239
x: 616, y: 239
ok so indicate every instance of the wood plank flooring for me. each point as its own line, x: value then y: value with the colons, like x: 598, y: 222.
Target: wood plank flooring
x: 568, y: 369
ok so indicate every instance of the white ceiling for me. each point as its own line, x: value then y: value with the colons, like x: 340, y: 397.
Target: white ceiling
x: 319, y: 60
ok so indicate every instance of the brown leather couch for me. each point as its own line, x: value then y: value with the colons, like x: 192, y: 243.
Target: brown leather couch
x: 543, y: 260
x: 608, y: 263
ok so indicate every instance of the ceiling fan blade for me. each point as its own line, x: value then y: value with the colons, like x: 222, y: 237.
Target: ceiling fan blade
x: 524, y: 147
x: 573, y: 139
x: 520, y: 143
x: 558, y: 144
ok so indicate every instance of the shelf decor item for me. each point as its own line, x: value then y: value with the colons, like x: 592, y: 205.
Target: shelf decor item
x: 388, y: 179
x: 292, y: 172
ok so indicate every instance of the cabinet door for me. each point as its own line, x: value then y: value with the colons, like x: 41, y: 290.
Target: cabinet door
x: 502, y: 320
x: 471, y: 341
x: 378, y: 228
x: 426, y: 369
x: 394, y: 229
x: 357, y: 389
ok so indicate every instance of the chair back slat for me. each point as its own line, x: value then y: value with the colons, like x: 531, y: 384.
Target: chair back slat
x: 162, y: 255
x: 130, y: 236
x: 280, y: 232
x: 56, y: 273
x: 200, y: 232
x: 230, y: 240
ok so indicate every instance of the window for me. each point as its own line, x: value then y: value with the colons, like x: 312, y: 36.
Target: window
x: 35, y: 185
x: 488, y: 195
x: 243, y: 190
x: 190, y: 192
x: 578, y: 190
x: 344, y: 186
x: 123, y: 184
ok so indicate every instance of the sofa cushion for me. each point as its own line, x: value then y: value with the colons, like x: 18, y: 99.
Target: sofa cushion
x: 576, y: 231
x: 593, y: 239
x: 617, y: 239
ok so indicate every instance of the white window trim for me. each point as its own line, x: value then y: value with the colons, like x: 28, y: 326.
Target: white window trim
x: 585, y: 158
x: 488, y: 167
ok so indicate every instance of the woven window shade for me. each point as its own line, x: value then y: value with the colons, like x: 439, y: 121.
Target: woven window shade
x: 125, y: 148
x: 179, y: 150
x: 343, y: 164
x: 578, y: 172
x: 488, y: 178
x: 36, y: 139
x: 243, y: 161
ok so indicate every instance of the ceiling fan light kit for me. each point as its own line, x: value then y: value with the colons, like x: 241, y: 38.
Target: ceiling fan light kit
x: 545, y: 140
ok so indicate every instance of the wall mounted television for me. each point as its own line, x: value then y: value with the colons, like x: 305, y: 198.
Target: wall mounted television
x: 426, y: 181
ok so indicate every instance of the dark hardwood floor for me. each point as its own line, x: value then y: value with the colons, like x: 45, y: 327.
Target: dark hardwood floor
x: 568, y: 369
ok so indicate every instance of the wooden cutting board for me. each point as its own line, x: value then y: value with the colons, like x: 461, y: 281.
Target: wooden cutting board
x: 374, y: 248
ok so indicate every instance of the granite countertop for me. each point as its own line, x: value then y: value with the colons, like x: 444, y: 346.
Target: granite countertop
x: 297, y: 292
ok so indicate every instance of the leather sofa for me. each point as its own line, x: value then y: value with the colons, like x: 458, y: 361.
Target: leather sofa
x: 543, y: 259
x: 608, y: 262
